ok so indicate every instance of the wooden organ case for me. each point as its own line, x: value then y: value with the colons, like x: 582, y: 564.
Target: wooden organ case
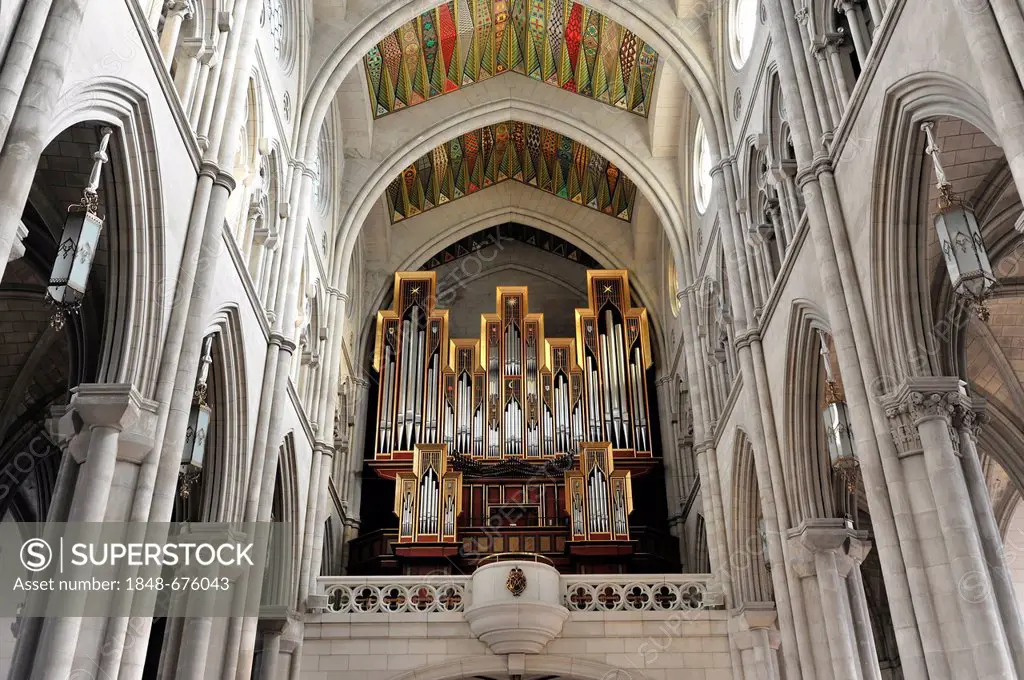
x: 513, y: 441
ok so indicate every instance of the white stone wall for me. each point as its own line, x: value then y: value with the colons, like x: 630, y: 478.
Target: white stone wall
x: 655, y: 645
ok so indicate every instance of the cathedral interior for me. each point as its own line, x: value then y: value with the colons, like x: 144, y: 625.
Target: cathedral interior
x: 601, y: 340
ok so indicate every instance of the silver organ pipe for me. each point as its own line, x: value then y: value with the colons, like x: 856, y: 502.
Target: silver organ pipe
x: 432, y: 391
x: 417, y: 386
x: 549, y: 430
x: 450, y: 437
x: 407, y: 513
x: 387, y: 400
x: 532, y: 433
x: 429, y: 498
x: 621, y: 381
x: 402, y: 387
x: 639, y: 410
x: 593, y: 399
x: 449, y: 515
x: 478, y: 430
x: 620, y: 511
x: 606, y: 391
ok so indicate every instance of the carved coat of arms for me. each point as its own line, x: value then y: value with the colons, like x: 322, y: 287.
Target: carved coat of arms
x: 516, y: 582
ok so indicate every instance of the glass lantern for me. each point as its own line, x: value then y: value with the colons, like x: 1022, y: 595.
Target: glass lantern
x: 78, y: 243
x: 963, y: 248
x: 194, y: 452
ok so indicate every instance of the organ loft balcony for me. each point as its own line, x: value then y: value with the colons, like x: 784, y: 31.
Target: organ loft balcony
x: 513, y: 442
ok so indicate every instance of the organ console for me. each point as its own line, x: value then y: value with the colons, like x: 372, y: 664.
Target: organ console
x: 512, y: 428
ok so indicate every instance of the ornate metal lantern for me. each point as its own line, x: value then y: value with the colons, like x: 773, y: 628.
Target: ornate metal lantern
x: 198, y: 426
x: 963, y: 248
x: 835, y: 417
x: 78, y: 242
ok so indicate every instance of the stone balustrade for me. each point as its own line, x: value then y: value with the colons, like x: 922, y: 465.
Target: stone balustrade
x: 395, y: 594
x: 638, y: 592
x: 579, y: 593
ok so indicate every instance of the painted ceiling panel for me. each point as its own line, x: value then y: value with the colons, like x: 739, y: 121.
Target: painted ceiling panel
x: 559, y: 42
x: 511, y: 151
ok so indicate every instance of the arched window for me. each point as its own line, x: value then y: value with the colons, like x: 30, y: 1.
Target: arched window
x: 744, y: 19
x: 701, y: 169
x: 273, y: 19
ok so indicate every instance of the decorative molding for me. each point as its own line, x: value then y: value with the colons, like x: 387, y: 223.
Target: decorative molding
x: 396, y: 596
x: 685, y: 592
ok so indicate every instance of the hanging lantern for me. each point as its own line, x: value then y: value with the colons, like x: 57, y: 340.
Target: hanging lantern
x: 198, y: 426
x: 78, y: 243
x: 963, y: 249
x: 836, y: 419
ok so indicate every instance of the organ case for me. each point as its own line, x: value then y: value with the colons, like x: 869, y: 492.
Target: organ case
x: 512, y: 404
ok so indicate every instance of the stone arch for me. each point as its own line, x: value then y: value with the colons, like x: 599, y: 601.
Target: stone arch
x: 905, y: 341
x: 136, y: 306
x: 224, y: 475
x: 482, y: 221
x: 809, y: 484
x: 286, y: 490
x: 749, y: 570
x: 658, y: 27
x: 379, y: 172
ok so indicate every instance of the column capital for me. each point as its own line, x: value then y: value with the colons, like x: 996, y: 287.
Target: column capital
x: 826, y: 535
x: 919, y: 400
x: 114, y: 405
x: 117, y: 406
x: 184, y: 8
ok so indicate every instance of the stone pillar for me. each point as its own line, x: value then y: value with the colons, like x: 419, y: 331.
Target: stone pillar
x: 753, y: 632
x: 825, y: 552
x: 999, y: 79
x: 34, y: 111
x: 671, y: 457
x: 923, y: 410
x: 858, y: 29
x: 967, y: 425
x: 105, y: 410
x: 177, y: 12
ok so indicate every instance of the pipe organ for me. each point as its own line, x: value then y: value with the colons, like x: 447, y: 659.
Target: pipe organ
x: 599, y: 498
x: 510, y: 404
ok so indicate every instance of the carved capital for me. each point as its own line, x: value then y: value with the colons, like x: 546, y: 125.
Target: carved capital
x: 184, y: 8
x: 920, y: 400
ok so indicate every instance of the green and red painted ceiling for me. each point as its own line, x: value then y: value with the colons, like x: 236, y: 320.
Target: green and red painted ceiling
x: 559, y: 42
x: 516, y: 151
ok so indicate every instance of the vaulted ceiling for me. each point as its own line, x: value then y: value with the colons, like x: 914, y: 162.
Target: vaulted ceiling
x: 559, y: 42
x: 516, y: 151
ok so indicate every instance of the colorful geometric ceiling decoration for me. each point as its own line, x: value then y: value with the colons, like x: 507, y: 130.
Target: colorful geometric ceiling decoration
x: 559, y: 42
x: 511, y: 151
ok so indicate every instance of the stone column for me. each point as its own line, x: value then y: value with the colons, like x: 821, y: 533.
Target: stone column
x: 34, y: 111
x: 177, y: 12
x: 924, y: 408
x: 753, y: 632
x: 998, y: 78
x: 825, y: 552
x: 106, y: 410
x: 670, y: 457
x: 858, y: 29
x: 967, y: 425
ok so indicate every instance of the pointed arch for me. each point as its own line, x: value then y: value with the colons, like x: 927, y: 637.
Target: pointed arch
x: 137, y: 292
x: 750, y: 572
